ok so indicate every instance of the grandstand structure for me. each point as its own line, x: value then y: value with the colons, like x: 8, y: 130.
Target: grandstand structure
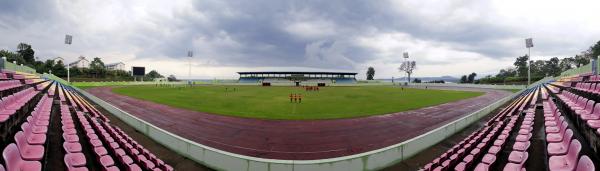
x: 553, y: 126
x: 46, y: 125
x: 298, y: 78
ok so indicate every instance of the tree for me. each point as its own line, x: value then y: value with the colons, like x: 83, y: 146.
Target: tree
x: 595, y: 50
x: 153, y: 74
x: 581, y: 60
x: 471, y: 78
x: 508, y: 72
x: 59, y: 69
x: 416, y: 80
x: 370, y: 73
x: 97, y: 67
x: 566, y: 63
x: 171, y: 78
x: 408, y: 67
x: 463, y: 79
x: 26, y: 52
x: 552, y: 67
x: 538, y: 68
x: 521, y: 65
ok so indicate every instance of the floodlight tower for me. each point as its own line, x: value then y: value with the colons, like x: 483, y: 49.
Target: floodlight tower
x: 529, y: 45
x: 68, y: 41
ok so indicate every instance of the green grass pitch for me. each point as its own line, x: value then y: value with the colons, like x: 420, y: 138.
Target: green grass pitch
x: 273, y: 102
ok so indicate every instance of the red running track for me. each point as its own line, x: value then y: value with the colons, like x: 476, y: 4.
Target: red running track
x: 297, y: 140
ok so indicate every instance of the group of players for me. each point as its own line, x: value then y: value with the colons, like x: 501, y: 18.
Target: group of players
x: 311, y: 88
x: 295, y: 98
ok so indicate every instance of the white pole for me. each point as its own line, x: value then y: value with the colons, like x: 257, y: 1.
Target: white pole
x: 529, y: 69
x: 68, y: 74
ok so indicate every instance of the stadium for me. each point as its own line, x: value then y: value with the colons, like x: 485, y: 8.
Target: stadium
x: 293, y: 87
x: 298, y: 78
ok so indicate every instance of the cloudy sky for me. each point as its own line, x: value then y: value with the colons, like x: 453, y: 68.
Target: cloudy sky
x: 444, y: 37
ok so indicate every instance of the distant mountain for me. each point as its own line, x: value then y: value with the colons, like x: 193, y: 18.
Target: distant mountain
x: 424, y: 79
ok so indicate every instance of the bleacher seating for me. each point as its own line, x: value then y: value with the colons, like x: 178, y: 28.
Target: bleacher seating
x: 31, y: 111
x: 344, y: 80
x: 276, y: 80
x: 569, y: 124
x: 249, y: 80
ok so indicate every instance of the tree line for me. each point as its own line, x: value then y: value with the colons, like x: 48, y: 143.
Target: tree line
x: 539, y: 68
x: 96, y: 71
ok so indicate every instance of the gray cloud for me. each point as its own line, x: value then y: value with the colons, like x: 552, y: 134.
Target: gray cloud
x: 268, y: 33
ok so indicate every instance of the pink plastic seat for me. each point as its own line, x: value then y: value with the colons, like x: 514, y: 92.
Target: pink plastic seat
x: 585, y: 164
x: 514, y: 167
x: 70, y: 137
x: 107, y: 161
x: 587, y: 108
x: 13, y: 160
x: 594, y: 124
x: 100, y: 151
x: 460, y: 166
x: 568, y: 161
x: 559, y: 148
x: 556, y: 129
x: 126, y: 159
x: 74, y: 160
x: 558, y: 137
x: 494, y: 150
x: 134, y: 167
x: 120, y: 152
x: 488, y: 159
x: 28, y: 152
x: 523, y: 138
x: 73, y: 147
x: 521, y: 146
x: 148, y: 164
x: 482, y: 167
x: 518, y: 157
x: 96, y: 143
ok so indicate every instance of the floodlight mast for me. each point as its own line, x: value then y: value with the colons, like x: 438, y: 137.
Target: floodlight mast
x: 529, y: 45
x: 68, y: 41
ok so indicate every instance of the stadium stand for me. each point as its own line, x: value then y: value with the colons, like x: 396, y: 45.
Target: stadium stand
x: 344, y: 80
x: 304, y: 78
x: 32, y: 109
x: 249, y: 80
x: 553, y: 126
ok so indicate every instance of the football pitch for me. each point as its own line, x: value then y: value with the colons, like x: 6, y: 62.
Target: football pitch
x: 274, y: 102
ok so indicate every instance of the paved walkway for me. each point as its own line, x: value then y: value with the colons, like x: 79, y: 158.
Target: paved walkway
x: 297, y: 140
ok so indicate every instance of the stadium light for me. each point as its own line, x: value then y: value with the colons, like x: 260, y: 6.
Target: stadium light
x: 529, y: 45
x: 68, y: 41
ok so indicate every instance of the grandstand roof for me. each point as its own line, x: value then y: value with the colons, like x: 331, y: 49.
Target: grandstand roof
x: 295, y: 72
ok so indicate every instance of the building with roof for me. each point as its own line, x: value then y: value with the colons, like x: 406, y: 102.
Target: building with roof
x: 116, y: 66
x: 81, y: 62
